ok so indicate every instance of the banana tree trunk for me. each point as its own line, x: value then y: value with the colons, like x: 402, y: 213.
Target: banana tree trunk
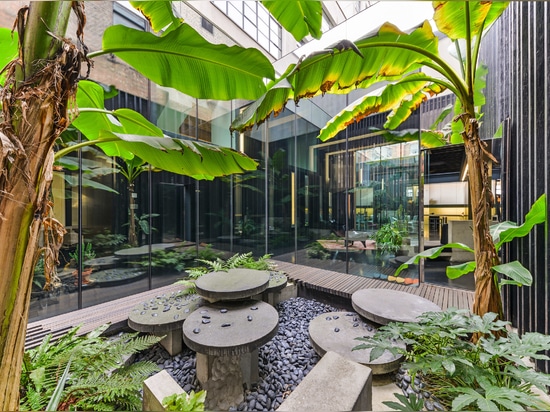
x: 487, y: 295
x: 132, y: 232
x: 34, y: 102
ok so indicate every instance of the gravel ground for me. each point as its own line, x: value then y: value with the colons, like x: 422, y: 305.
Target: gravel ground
x: 283, y: 362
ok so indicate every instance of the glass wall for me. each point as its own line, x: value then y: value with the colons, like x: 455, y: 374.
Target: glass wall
x: 132, y: 228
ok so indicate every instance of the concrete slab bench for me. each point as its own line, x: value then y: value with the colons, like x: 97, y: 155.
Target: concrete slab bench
x: 334, y: 384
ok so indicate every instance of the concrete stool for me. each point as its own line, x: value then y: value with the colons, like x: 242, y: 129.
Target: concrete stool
x: 386, y: 305
x: 226, y: 337
x: 336, y: 332
x: 164, y: 315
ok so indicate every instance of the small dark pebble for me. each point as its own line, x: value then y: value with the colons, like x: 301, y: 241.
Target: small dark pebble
x: 254, y: 308
x: 328, y: 318
x: 336, y: 329
x: 225, y: 325
x: 249, y: 318
x: 206, y: 321
x: 196, y: 330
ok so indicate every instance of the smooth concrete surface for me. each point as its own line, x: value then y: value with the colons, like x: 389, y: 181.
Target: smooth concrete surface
x: 337, y: 332
x: 334, y: 384
x: 383, y: 306
x: 158, y: 387
x: 164, y: 315
x: 235, y: 284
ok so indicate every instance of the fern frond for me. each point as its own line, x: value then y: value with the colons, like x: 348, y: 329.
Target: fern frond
x: 238, y: 260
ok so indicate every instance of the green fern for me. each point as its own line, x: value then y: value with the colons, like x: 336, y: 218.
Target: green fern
x: 99, y: 378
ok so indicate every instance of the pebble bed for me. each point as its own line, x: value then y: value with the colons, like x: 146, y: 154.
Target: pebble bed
x: 283, y: 362
x: 415, y: 386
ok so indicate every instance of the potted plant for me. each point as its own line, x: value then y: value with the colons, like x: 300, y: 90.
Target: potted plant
x: 388, y: 239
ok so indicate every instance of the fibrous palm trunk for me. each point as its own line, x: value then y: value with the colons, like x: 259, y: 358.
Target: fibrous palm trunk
x: 34, y: 112
x: 487, y: 295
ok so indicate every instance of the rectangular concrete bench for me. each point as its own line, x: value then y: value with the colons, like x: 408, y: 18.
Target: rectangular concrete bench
x: 334, y: 384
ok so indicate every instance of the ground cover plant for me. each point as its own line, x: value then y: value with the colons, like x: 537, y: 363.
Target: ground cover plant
x: 85, y: 372
x: 489, y: 375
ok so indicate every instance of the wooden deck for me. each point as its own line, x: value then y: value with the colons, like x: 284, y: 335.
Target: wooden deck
x: 325, y: 281
x: 343, y: 285
x: 114, y: 312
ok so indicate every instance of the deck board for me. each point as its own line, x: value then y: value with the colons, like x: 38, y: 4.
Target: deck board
x: 342, y: 284
x: 327, y: 281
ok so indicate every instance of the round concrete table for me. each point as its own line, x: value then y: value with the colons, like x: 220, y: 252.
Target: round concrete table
x: 337, y: 332
x: 385, y: 305
x: 232, y: 285
x: 226, y: 337
x: 164, y: 315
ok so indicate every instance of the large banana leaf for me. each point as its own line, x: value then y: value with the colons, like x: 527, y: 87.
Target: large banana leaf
x: 125, y: 133
x: 159, y: 14
x: 93, y: 118
x: 449, y: 16
x: 183, y: 60
x: 402, y: 98
x: 387, y: 55
x: 298, y: 17
x: 191, y: 158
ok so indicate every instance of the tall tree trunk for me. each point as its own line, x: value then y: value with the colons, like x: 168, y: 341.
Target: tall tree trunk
x: 34, y: 112
x: 487, y: 295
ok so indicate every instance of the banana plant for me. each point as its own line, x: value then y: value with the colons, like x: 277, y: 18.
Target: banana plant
x: 408, y: 69
x: 39, y: 77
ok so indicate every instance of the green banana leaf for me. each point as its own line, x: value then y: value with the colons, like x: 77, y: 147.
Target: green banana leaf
x: 508, y: 231
x: 159, y: 14
x: 183, y: 60
x: 93, y: 118
x: 388, y: 55
x: 8, y: 50
x: 401, y: 98
x: 125, y: 134
x: 449, y: 16
x: 518, y: 274
x: 191, y: 158
x: 299, y: 18
x: 385, y: 56
x: 428, y: 138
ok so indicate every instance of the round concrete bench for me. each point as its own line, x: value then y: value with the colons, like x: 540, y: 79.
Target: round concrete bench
x: 164, y: 315
x: 336, y: 332
x: 226, y: 337
x: 234, y: 284
x: 277, y: 282
x: 383, y: 306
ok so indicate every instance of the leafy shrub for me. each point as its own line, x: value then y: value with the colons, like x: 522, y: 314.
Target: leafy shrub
x: 488, y: 375
x: 388, y: 238
x: 316, y: 250
x: 88, y: 253
x: 85, y: 372
x: 185, y: 401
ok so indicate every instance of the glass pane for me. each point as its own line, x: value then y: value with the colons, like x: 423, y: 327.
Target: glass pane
x: 116, y: 226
